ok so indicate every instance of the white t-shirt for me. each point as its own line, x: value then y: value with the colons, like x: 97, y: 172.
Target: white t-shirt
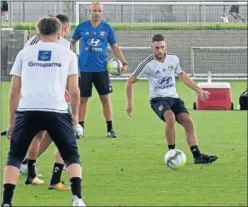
x: 44, y: 69
x: 34, y: 40
x: 161, y: 75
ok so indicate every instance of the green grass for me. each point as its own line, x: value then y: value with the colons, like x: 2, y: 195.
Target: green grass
x: 152, y: 26
x: 129, y: 171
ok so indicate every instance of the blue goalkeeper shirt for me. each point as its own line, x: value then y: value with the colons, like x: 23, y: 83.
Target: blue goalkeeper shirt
x: 94, y: 45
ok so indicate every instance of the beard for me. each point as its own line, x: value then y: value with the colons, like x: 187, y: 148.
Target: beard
x: 96, y: 17
x: 160, y: 56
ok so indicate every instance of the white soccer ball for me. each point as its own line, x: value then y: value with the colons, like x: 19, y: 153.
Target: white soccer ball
x: 79, y: 130
x: 175, y: 159
x: 114, y: 66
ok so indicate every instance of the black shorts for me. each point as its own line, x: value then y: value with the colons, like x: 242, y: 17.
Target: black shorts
x: 160, y: 105
x: 29, y: 123
x: 234, y: 8
x: 100, y: 80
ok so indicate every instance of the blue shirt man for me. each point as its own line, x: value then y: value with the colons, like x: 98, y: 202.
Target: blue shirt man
x: 95, y: 35
x: 93, y: 45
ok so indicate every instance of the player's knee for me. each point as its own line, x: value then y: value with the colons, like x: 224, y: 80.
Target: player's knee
x: 105, y: 100
x: 169, y: 117
x: 188, y: 124
x: 83, y: 101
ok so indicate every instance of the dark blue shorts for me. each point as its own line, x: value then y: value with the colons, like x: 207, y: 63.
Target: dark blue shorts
x: 29, y: 123
x: 100, y: 80
x: 161, y: 105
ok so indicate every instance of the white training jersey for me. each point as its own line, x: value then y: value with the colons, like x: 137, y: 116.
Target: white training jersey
x: 44, y: 69
x: 161, y: 75
x: 35, y: 39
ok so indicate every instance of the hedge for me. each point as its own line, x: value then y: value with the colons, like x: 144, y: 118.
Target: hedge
x: 153, y: 26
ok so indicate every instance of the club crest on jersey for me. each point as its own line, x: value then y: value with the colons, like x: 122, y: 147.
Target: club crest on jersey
x: 102, y: 33
x: 44, y: 55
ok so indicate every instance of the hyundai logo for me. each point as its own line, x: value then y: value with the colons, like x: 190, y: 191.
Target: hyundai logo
x: 165, y: 80
x: 94, y: 42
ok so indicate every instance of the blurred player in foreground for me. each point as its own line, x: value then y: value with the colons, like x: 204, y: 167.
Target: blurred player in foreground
x: 40, y: 76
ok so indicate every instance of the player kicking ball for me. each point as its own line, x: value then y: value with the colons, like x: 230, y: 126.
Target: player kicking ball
x: 160, y: 68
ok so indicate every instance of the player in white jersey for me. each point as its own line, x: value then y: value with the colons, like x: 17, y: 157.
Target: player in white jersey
x: 40, y: 76
x: 160, y: 68
x: 42, y: 141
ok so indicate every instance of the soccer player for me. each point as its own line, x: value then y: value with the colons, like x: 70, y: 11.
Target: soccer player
x: 234, y: 12
x: 5, y: 9
x: 42, y: 141
x: 165, y: 102
x: 40, y: 75
x: 95, y: 35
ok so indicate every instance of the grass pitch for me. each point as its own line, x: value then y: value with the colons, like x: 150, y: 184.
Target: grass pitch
x: 130, y: 170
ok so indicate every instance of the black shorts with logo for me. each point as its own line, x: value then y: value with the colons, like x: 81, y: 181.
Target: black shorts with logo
x: 163, y: 104
x: 100, y: 80
x: 29, y: 123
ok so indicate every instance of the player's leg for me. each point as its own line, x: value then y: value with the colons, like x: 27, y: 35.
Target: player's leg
x: 59, y: 126
x: 58, y: 167
x: 26, y: 126
x: 240, y: 17
x: 185, y: 120
x: 30, y: 160
x: 233, y: 12
x: 161, y: 106
x: 104, y: 88
x: 85, y: 85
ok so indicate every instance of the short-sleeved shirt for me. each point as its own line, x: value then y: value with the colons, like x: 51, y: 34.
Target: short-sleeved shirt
x: 35, y: 40
x: 161, y: 75
x: 44, y: 69
x: 94, y: 45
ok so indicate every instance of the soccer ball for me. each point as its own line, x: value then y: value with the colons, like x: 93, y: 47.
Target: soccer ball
x: 114, y: 66
x: 79, y: 130
x: 175, y: 159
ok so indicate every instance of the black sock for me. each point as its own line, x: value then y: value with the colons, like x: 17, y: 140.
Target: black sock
x: 25, y: 161
x: 31, y: 168
x: 76, y: 186
x: 81, y: 123
x: 195, y: 151
x: 57, y: 171
x: 8, y: 193
x: 171, y: 146
x: 109, y: 126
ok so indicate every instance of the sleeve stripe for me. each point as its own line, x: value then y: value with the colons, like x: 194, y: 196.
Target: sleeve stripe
x: 34, y: 41
x: 142, y: 65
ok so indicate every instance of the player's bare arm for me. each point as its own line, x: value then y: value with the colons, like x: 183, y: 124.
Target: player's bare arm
x: 74, y: 93
x: 129, y: 92
x: 15, y: 93
x: 73, y: 45
x: 119, y: 55
x: 191, y: 84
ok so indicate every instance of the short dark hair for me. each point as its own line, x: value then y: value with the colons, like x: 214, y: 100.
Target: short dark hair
x: 62, y: 18
x: 48, y: 26
x: 157, y: 38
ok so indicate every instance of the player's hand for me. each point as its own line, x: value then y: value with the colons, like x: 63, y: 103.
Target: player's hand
x: 129, y: 109
x: 9, y: 131
x: 204, y: 95
x: 124, y: 69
